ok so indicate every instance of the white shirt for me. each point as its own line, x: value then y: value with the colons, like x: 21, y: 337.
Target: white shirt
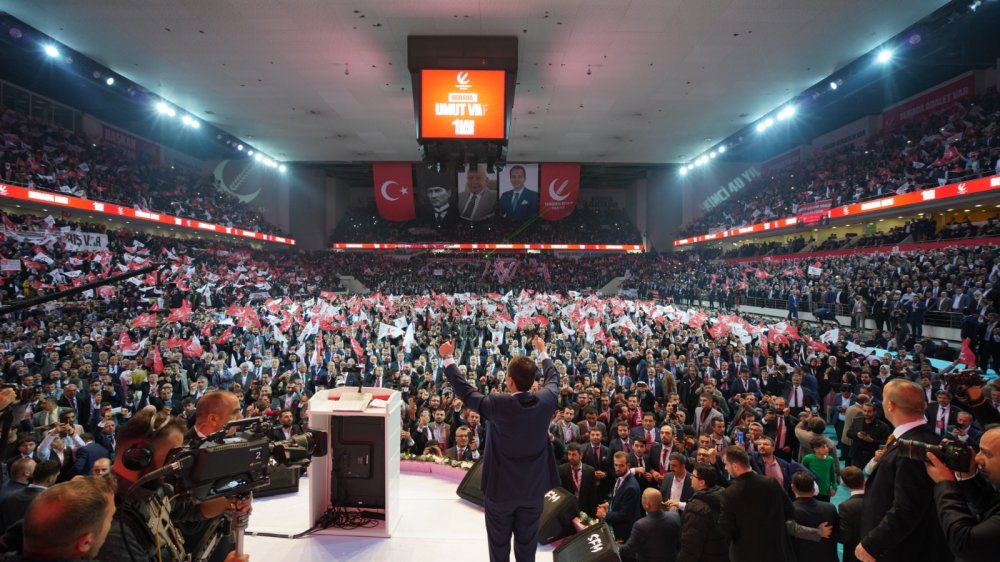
x: 676, y: 489
x: 899, y: 431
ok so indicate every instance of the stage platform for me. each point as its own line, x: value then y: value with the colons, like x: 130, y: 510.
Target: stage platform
x: 435, y: 524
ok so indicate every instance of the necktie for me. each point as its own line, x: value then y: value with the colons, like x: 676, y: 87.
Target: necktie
x: 940, y: 422
x: 663, y: 459
x: 649, y: 436
x: 576, y: 480
x: 470, y: 206
x: 597, y: 455
x: 513, y: 202
x: 890, y: 440
x: 781, y: 433
x: 461, y: 453
x: 618, y: 484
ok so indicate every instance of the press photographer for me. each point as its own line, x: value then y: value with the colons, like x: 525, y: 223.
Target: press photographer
x: 144, y: 443
x: 968, y: 504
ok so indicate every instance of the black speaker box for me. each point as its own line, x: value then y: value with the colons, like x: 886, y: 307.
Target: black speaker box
x: 593, y: 544
x: 471, y: 487
x: 284, y: 480
x: 559, y: 508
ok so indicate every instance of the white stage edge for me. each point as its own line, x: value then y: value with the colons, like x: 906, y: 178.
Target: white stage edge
x: 435, y: 524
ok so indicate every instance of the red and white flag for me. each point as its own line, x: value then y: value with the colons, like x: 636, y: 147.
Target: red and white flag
x: 126, y: 346
x: 558, y: 191
x: 966, y: 356
x: 394, y: 191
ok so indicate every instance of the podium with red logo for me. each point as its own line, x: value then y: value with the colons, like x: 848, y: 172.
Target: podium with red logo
x: 361, y: 472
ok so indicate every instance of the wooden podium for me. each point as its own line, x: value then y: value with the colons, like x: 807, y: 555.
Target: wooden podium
x: 361, y: 470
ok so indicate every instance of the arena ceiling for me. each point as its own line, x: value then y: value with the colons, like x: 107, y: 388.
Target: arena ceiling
x: 327, y: 81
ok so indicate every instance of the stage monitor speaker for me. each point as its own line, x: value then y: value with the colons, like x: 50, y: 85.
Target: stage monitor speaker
x: 284, y: 480
x: 593, y: 544
x: 559, y: 508
x: 357, y: 446
x: 471, y: 487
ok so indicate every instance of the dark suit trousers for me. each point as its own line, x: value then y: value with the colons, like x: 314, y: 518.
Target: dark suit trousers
x: 504, y: 518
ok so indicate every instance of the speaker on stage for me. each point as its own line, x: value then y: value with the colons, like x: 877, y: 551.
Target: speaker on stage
x: 559, y: 508
x: 471, y: 488
x: 593, y: 544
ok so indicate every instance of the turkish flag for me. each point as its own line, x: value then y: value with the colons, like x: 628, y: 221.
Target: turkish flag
x: 558, y: 190
x: 394, y: 191
x: 966, y: 356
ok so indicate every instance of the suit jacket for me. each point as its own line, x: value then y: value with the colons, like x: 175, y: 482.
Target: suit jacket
x: 849, y: 511
x: 585, y: 429
x: 640, y: 431
x: 87, y: 455
x: 754, y: 511
x: 668, y: 481
x: 899, y: 522
x: 932, y: 415
x: 517, y: 442
x: 655, y: 537
x: 624, y: 507
x: 15, y: 506
x: 810, y: 512
x: 706, y: 425
x: 446, y: 429
x: 452, y: 453
x: 587, y: 494
x: 527, y: 205
x: 972, y: 537
x: 107, y: 442
x: 484, y: 208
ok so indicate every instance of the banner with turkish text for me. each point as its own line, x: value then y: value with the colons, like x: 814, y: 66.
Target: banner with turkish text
x: 131, y: 146
x: 559, y: 190
x: 936, y: 100
x: 394, y: 191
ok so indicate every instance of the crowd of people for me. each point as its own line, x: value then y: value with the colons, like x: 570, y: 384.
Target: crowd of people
x: 960, y: 142
x: 47, y: 157
x: 586, y: 225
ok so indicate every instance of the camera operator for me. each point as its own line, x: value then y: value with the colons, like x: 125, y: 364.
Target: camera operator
x: 968, y: 504
x: 213, y: 412
x: 143, y: 446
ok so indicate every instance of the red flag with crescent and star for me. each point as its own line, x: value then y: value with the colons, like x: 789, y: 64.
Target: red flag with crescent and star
x: 394, y: 191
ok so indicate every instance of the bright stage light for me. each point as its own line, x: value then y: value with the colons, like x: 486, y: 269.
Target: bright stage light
x: 884, y: 56
x: 51, y: 50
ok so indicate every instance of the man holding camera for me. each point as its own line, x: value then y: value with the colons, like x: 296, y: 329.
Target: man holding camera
x: 968, y: 504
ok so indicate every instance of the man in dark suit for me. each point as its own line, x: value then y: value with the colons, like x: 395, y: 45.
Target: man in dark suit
x: 754, y: 511
x: 969, y: 510
x: 781, y: 429
x: 518, y: 465
x: 16, y: 505
x: 87, y: 455
x: 579, y: 479
x: 942, y: 414
x: 287, y: 428
x: 597, y: 455
x: 676, y: 486
x: 849, y: 511
x: 518, y: 203
x: 656, y: 536
x: 899, y: 522
x: 623, y: 510
x: 811, y: 512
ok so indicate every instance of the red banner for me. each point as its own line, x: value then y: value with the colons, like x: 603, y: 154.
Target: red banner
x: 936, y: 245
x: 559, y: 190
x: 468, y: 246
x: 132, y: 147
x: 394, y: 191
x: 934, y: 101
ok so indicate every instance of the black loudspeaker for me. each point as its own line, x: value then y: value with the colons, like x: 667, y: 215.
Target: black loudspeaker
x: 284, y: 480
x: 559, y: 508
x: 593, y: 544
x: 471, y: 488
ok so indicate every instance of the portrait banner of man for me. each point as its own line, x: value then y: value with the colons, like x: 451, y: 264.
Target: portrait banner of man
x: 519, y: 192
x: 436, y: 198
x: 477, y: 193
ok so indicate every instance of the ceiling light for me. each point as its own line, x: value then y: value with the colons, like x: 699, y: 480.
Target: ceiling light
x: 833, y: 85
x: 722, y: 149
x: 239, y: 147
x: 884, y: 56
x: 110, y: 81
x: 51, y: 50
x: 786, y: 113
x: 684, y: 170
x: 761, y: 127
x: 712, y: 154
x: 250, y: 152
x: 258, y: 157
x: 165, y: 109
x: 282, y: 169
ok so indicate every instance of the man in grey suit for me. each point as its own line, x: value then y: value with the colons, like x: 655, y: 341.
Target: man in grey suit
x: 476, y: 202
x: 519, y: 467
x: 656, y: 536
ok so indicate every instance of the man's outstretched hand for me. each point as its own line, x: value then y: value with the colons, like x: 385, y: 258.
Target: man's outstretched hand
x: 539, y: 344
x: 447, y: 349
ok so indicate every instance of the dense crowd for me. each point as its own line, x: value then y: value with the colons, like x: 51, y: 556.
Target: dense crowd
x: 961, y: 142
x: 50, y: 158
x: 586, y: 225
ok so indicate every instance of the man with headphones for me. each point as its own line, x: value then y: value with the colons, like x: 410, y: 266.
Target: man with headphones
x: 143, y: 527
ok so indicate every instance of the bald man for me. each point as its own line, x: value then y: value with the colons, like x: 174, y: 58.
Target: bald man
x: 899, y: 522
x: 657, y: 535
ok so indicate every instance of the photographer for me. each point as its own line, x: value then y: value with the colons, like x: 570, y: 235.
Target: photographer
x: 968, y: 504
x: 143, y: 446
